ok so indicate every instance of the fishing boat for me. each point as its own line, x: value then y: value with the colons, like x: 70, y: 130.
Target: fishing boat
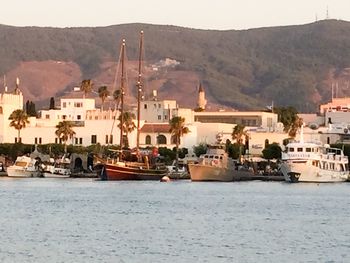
x: 314, y: 162
x: 146, y: 166
x: 214, y: 165
x: 24, y: 166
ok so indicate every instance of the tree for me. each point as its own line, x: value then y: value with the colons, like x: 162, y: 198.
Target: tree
x: 290, y: 119
x: 65, y: 131
x: 128, y: 126
x: 103, y: 93
x: 298, y: 122
x: 52, y: 103
x: 86, y: 86
x: 272, y: 151
x: 177, y: 130
x: 116, y: 97
x: 30, y: 108
x: 19, y: 120
x: 238, y: 134
x: 200, y: 149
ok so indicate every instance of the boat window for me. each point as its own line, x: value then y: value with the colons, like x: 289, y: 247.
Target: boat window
x: 22, y: 164
x: 291, y: 149
x: 308, y: 150
x: 300, y: 149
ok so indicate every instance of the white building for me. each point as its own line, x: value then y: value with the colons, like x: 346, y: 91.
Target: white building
x: 94, y: 126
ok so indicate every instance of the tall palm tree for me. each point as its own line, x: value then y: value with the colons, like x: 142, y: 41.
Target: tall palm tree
x: 128, y: 126
x: 177, y: 130
x: 238, y: 134
x: 19, y: 120
x: 296, y: 125
x: 116, y: 96
x: 64, y: 131
x: 103, y: 93
x: 86, y: 86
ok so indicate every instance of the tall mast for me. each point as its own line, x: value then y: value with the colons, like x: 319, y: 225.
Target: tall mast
x: 139, y: 91
x: 122, y: 92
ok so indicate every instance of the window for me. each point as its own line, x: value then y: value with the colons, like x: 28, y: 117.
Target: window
x: 47, y: 116
x: 40, y: 141
x: 161, y: 139
x: 145, y: 106
x: 64, y: 117
x: 106, y: 139
x: 300, y: 149
x: 159, y: 117
x: 1, y: 110
x: 165, y: 117
x: 76, y: 140
x: 291, y: 149
x: 111, y: 139
x: 308, y: 150
x: 148, y: 139
x: 78, y: 104
x: 93, y: 139
x: 56, y: 140
x: 35, y: 140
x: 64, y: 104
x: 159, y: 105
x: 79, y: 117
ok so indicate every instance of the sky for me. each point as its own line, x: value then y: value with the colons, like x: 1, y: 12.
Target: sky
x: 199, y: 14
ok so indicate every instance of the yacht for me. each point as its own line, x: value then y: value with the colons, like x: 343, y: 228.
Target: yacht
x: 24, y: 166
x: 312, y: 162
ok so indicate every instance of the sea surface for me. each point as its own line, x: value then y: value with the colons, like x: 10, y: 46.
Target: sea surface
x: 84, y: 220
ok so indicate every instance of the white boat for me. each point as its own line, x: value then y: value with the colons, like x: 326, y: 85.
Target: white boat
x: 58, y: 169
x: 24, y: 166
x: 177, y: 171
x: 312, y: 162
x: 215, y: 165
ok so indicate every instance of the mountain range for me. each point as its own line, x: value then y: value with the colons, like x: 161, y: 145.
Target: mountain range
x: 300, y: 66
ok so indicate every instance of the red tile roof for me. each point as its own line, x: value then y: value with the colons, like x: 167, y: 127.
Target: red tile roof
x: 155, y: 128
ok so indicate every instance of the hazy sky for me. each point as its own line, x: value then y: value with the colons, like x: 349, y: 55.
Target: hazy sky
x: 201, y: 14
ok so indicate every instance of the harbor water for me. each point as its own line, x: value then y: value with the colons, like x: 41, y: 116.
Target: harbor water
x: 84, y: 220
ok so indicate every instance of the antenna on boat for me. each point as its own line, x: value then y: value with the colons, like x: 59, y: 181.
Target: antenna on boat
x: 139, y: 91
x: 302, y: 133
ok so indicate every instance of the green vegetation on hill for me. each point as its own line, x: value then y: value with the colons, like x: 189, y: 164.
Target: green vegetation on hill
x: 245, y: 69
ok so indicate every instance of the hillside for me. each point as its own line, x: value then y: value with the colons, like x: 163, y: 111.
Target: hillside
x: 246, y: 69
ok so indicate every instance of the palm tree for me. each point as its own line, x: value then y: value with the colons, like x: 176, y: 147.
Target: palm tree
x: 128, y: 126
x: 103, y: 93
x: 298, y: 122
x: 238, y: 134
x: 19, y: 120
x: 116, y: 97
x: 177, y: 130
x: 64, y: 131
x: 86, y: 86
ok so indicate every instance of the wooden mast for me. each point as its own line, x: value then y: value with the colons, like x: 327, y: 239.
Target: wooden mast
x: 139, y: 91
x: 122, y: 92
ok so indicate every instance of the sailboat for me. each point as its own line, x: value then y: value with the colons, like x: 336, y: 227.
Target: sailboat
x: 147, y: 166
